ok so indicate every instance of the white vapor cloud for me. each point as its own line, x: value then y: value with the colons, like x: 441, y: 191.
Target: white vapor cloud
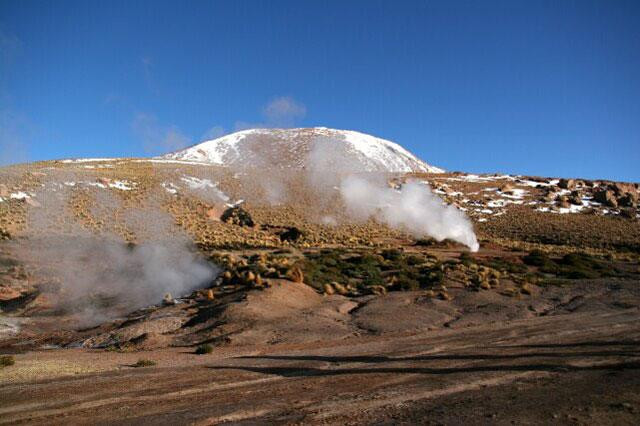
x: 284, y: 111
x: 281, y: 111
x: 157, y: 138
x: 213, y: 133
x: 413, y: 208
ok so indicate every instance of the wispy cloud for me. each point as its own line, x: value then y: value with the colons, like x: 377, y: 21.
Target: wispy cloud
x: 284, y: 111
x: 213, y: 133
x: 281, y: 111
x: 157, y: 138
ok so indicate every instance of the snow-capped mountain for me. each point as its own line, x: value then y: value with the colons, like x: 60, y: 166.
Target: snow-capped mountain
x: 292, y: 148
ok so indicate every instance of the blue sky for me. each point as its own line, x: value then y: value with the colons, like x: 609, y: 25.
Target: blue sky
x: 538, y: 87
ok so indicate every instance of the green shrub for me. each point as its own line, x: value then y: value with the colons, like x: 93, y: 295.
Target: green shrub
x: 7, y: 360
x: 542, y: 261
x: 144, y: 363
x: 391, y: 254
x: 571, y: 266
x: 204, y: 349
x: 466, y: 259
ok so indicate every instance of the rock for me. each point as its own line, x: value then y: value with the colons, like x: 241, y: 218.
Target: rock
x: 8, y: 293
x: 563, y: 202
x: 168, y: 300
x: 506, y: 188
x: 340, y: 289
x: 575, y: 198
x: 605, y: 197
x: 258, y: 281
x: 4, y: 191
x: 443, y: 295
x: 630, y: 199
x: 292, y: 234
x: 629, y: 213
x: 621, y: 188
x: 237, y: 216
x: 328, y: 289
x: 379, y: 290
x: 296, y: 275
x: 567, y: 183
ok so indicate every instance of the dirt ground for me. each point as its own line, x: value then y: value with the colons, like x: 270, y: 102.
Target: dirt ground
x: 577, y: 363
x: 566, y: 369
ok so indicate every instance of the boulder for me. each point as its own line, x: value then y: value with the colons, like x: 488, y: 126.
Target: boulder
x: 621, y: 188
x: 567, y: 183
x: 292, y: 234
x: 630, y: 199
x: 575, y: 198
x: 606, y: 197
x: 563, y: 202
x: 506, y: 188
x: 628, y: 213
x: 237, y: 216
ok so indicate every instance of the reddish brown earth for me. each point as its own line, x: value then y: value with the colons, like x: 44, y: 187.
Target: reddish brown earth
x: 565, y: 369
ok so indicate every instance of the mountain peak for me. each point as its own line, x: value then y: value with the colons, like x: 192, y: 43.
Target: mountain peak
x: 290, y: 148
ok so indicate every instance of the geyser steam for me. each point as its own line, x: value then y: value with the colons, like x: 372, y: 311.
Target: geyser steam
x: 100, y: 276
x: 413, y: 208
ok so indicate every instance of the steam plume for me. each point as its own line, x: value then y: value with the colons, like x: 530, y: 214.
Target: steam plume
x: 99, y: 277
x: 414, y: 209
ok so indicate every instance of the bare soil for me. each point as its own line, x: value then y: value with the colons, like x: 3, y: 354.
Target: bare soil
x: 580, y: 367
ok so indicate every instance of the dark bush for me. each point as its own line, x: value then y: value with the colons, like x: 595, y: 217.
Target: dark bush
x: 204, y: 349
x: 144, y: 363
x: 7, y: 360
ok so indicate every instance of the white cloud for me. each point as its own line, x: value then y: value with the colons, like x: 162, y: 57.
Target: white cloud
x: 158, y: 139
x: 213, y: 133
x: 283, y: 111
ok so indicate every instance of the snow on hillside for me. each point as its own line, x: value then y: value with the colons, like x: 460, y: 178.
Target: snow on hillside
x: 290, y: 148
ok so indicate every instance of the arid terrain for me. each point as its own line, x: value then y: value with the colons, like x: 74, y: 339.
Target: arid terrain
x: 294, y: 312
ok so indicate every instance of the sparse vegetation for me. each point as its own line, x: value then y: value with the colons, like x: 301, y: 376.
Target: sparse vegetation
x: 204, y: 349
x: 7, y: 360
x: 575, y: 265
x: 144, y: 363
x: 361, y: 271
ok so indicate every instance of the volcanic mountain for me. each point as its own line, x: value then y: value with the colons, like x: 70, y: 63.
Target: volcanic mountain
x: 293, y: 148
